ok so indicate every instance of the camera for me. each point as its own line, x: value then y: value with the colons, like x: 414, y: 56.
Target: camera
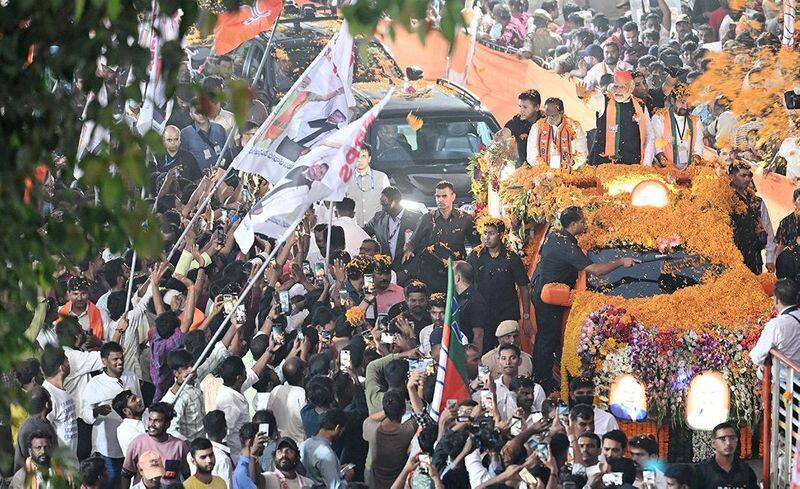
x: 485, y: 435
x: 792, y: 98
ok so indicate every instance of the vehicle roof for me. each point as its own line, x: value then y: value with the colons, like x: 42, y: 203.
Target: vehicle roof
x: 421, y: 97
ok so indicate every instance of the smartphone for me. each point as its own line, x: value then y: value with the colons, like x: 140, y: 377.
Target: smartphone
x: 451, y: 404
x: 483, y: 375
x: 171, y: 469
x: 563, y: 411
x: 306, y: 268
x: 283, y: 300
x: 383, y: 325
x: 543, y: 450
x: 649, y: 476
x: 527, y: 477
x: 241, y: 314
x: 326, y: 339
x: 263, y: 428
x: 487, y: 400
x: 277, y: 334
x: 387, y: 338
x: 344, y: 360
x: 319, y: 270
x: 612, y: 479
x: 424, y: 463
x: 515, y: 428
x: 369, y: 284
x: 345, y: 468
x: 227, y: 303
x: 343, y: 297
x: 300, y: 335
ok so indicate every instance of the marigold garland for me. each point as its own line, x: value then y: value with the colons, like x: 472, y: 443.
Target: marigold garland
x: 354, y: 316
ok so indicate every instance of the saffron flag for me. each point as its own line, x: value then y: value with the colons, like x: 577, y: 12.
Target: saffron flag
x: 322, y: 172
x: 317, y: 105
x: 234, y: 28
x: 452, y: 380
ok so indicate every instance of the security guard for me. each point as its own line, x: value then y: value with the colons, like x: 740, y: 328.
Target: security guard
x: 560, y: 261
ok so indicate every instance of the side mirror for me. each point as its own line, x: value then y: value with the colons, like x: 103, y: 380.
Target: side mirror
x: 414, y: 73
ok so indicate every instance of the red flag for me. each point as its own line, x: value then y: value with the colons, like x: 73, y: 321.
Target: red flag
x: 234, y: 28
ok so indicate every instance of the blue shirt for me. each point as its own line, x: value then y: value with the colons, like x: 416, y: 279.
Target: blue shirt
x: 197, y: 142
x: 321, y: 463
x: 241, y: 474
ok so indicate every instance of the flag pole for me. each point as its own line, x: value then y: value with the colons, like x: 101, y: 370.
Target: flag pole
x: 447, y: 334
x: 242, y: 295
x: 328, y: 239
x: 216, y: 186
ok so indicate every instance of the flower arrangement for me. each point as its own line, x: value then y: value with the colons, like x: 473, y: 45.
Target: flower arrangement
x: 484, y: 168
x: 355, y: 316
x: 613, y: 343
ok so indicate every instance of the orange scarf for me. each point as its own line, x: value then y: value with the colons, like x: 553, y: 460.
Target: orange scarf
x: 611, y: 122
x: 54, y: 472
x: 95, y: 319
x: 669, y: 139
x: 562, y: 140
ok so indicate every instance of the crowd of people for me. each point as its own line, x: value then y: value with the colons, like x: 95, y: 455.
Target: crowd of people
x: 325, y: 375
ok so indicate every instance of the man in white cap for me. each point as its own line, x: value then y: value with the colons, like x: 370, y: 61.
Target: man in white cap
x: 507, y: 333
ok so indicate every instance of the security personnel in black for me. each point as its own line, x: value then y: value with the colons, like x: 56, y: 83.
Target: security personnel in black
x: 750, y: 234
x: 440, y: 234
x: 501, y: 279
x: 560, y: 261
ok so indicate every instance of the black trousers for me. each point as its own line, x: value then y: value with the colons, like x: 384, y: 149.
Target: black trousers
x: 548, y: 340
x: 84, y: 440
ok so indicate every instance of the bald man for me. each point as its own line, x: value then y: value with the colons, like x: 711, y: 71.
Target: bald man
x: 287, y: 400
x: 175, y: 157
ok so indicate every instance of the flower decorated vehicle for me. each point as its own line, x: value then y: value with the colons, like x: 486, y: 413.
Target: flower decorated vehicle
x: 690, y: 307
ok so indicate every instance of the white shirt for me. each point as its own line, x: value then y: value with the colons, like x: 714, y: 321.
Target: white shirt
x: 237, y: 411
x: 425, y: 340
x: 64, y: 417
x: 223, y: 468
x: 47, y: 336
x: 580, y: 150
x: 660, y: 132
x: 81, y: 364
x: 83, y: 318
x: 127, y: 431
x: 597, y: 102
x: 353, y: 234
x: 101, y: 390
x: 782, y: 333
x: 273, y: 481
x: 285, y: 402
x: 366, y: 192
x: 724, y: 125
x: 790, y: 151
x: 604, y: 422
x: 507, y: 403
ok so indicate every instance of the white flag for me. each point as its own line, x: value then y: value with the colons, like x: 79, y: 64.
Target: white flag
x: 315, y: 107
x: 319, y: 174
x: 154, y: 31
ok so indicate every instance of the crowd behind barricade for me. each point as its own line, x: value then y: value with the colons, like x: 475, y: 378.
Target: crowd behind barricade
x: 326, y: 373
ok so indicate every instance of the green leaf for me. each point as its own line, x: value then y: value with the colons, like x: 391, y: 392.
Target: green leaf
x: 79, y: 6
x: 240, y: 96
x: 113, y: 8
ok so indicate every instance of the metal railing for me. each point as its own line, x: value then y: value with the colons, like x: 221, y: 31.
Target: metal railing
x: 780, y: 398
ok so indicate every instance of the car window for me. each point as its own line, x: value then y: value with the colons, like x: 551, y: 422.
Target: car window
x: 437, y: 141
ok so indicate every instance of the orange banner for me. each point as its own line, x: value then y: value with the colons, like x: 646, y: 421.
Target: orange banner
x: 495, y: 78
x: 234, y: 28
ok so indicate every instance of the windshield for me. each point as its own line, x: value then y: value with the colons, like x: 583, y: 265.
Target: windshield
x: 437, y: 141
x: 656, y: 274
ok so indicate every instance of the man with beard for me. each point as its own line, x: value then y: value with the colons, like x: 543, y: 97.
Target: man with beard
x: 385, y: 293
x: 175, y: 158
x: 96, y: 410
x: 285, y: 476
x: 392, y: 225
x: 38, y: 470
x: 557, y: 140
x: 156, y: 439
x: 519, y: 126
x: 412, y: 315
x: 92, y: 319
x: 624, y: 133
x: 436, y: 309
x: 678, y: 134
x: 610, y: 64
x: 653, y: 98
x: 752, y: 228
x: 130, y: 408
x: 202, y: 456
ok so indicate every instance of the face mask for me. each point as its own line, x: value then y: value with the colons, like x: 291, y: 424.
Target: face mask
x: 43, y: 459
